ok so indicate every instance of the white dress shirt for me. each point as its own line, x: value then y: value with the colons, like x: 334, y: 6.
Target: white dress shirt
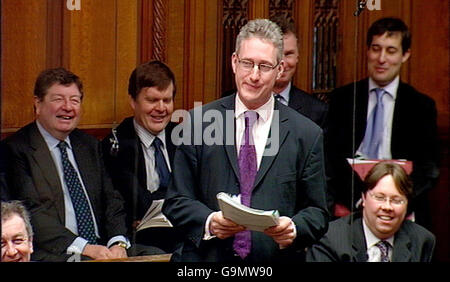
x: 373, y: 251
x: 149, y: 155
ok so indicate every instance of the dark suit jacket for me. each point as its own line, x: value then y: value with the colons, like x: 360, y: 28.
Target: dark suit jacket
x: 345, y: 242
x: 35, y: 181
x: 309, y: 106
x: 414, y: 137
x: 128, y: 164
x: 292, y: 181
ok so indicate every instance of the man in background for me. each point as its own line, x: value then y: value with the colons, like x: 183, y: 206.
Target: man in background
x: 139, y: 153
x: 284, y: 90
x: 392, y: 120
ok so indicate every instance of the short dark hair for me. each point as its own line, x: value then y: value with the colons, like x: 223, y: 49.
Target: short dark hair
x: 49, y: 77
x: 150, y: 74
x: 17, y: 208
x: 401, y: 179
x: 286, y: 25
x: 391, y: 26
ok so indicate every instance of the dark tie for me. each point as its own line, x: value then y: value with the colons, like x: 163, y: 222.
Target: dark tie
x: 384, y: 248
x: 247, y: 173
x: 85, y: 222
x: 160, y: 163
x: 280, y: 99
x: 374, y: 130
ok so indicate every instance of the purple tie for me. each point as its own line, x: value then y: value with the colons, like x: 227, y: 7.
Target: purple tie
x: 384, y: 247
x: 247, y: 174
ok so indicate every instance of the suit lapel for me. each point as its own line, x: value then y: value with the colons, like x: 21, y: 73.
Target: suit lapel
x: 282, y: 123
x: 402, y: 244
x: 44, y: 160
x: 295, y: 101
x: 358, y: 241
x: 229, y: 133
x: 362, y: 103
x: 84, y: 162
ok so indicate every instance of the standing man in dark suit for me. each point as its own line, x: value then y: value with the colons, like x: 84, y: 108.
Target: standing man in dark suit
x: 58, y: 172
x: 380, y: 232
x: 249, y: 144
x: 404, y: 128
x: 284, y: 90
x: 130, y: 154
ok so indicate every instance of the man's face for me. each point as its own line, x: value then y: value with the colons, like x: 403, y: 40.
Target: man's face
x: 153, y: 108
x: 255, y: 86
x: 385, y: 58
x: 60, y: 110
x: 16, y: 245
x: 384, y: 218
x: 290, y: 59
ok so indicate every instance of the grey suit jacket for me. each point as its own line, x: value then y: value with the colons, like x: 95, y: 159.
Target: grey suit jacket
x: 292, y: 181
x: 345, y: 242
x: 34, y: 179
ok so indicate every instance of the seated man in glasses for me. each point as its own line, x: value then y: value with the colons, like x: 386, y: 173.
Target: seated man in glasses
x: 380, y: 232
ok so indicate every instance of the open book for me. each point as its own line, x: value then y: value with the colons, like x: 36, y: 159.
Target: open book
x: 154, y: 217
x: 253, y: 219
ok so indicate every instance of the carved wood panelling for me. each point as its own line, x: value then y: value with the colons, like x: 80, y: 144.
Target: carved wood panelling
x: 324, y: 51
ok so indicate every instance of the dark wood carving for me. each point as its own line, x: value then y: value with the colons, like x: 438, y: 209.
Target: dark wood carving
x: 159, y: 30
x: 284, y: 8
x: 325, y: 24
x: 235, y: 15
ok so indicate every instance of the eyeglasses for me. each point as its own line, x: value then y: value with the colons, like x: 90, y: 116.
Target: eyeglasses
x: 396, y: 201
x: 248, y: 66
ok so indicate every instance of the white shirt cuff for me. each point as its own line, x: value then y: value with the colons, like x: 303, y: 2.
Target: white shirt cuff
x: 208, y: 235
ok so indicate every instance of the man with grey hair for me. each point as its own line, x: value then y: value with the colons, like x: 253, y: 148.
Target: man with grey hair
x: 17, y: 234
x: 289, y: 179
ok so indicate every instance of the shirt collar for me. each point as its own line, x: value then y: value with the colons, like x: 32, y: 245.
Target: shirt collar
x: 146, y: 137
x: 371, y: 239
x: 285, y: 92
x: 264, y: 111
x: 51, y: 141
x: 391, y: 88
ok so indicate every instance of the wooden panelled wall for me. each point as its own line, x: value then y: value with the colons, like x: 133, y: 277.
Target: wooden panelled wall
x: 104, y: 40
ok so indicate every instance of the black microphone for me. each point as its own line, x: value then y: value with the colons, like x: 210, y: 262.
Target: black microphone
x: 361, y: 5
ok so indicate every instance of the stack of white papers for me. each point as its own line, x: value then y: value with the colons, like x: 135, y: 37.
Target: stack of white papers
x: 252, y: 219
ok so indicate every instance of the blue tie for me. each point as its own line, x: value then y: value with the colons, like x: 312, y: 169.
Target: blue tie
x: 247, y: 173
x: 85, y: 223
x: 160, y: 163
x: 375, y: 127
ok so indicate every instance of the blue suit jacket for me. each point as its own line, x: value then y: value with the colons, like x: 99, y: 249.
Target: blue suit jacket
x: 292, y: 181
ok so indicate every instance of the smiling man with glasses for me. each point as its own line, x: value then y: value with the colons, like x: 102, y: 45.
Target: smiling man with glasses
x: 292, y: 180
x: 380, y: 232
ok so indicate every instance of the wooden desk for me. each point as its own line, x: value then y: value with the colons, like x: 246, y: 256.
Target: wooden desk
x: 152, y: 258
